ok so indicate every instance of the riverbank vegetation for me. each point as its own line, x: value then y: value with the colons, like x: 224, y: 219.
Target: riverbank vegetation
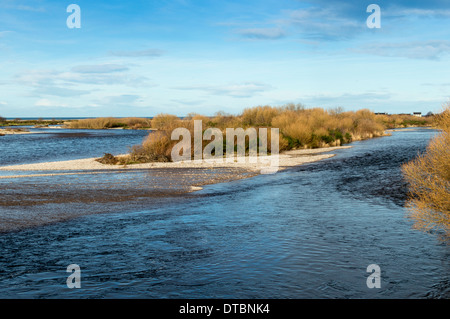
x: 428, y: 176
x: 392, y: 121
x: 299, y: 128
x: 19, y: 122
x: 109, y: 122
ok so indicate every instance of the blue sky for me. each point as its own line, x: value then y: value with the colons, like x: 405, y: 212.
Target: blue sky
x: 141, y: 58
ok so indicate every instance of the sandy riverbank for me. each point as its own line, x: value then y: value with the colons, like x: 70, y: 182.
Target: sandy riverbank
x: 286, y: 159
x: 13, y: 132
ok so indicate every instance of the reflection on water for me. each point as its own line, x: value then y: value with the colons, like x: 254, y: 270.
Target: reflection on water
x: 307, y: 232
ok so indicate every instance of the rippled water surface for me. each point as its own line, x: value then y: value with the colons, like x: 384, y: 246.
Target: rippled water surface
x: 306, y: 232
x: 63, y: 144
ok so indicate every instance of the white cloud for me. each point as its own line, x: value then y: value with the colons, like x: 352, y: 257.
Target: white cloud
x: 243, y: 90
x: 262, y: 33
x: 48, y: 103
x: 29, y: 8
x: 4, y: 33
x: 431, y: 50
x: 142, y: 53
x: 123, y: 99
x: 88, y: 75
x: 188, y: 102
x: 416, y: 12
x: 99, y: 68
x: 36, y: 77
x: 119, y: 101
x: 347, y: 97
x: 12, y: 5
x: 59, y: 91
x: 325, y: 23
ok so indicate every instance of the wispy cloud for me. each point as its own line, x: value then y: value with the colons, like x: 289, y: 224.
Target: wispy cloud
x: 430, y: 50
x: 353, y: 7
x: 119, y: 101
x: 262, y: 33
x: 186, y: 102
x: 12, y: 5
x: 5, y: 33
x: 142, y: 53
x: 58, y: 91
x: 326, y: 20
x: 92, y: 75
x: 29, y: 8
x: 347, y: 97
x: 48, y: 103
x: 322, y: 23
x: 123, y: 99
x: 355, y: 100
x: 243, y: 90
x: 437, y: 84
x: 417, y: 12
x: 99, y: 68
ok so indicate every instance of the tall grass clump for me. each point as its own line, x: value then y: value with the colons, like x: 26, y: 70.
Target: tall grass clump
x: 404, y: 120
x: 259, y: 116
x: 312, y: 128
x: 110, y: 122
x: 165, y: 121
x: 157, y: 146
x: 428, y: 176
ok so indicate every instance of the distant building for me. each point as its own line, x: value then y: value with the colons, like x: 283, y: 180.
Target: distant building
x: 418, y: 114
x: 382, y: 113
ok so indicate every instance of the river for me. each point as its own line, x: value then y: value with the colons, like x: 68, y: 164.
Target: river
x: 305, y: 232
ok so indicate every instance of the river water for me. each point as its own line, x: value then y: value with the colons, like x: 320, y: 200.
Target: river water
x: 53, y: 144
x: 306, y: 232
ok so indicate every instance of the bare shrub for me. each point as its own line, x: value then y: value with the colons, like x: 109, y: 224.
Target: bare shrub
x: 259, y: 116
x: 165, y: 121
x: 108, y: 159
x: 109, y: 122
x: 428, y: 176
x: 156, y: 147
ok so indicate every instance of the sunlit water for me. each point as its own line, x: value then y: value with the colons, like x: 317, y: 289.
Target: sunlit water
x: 306, y: 232
x: 63, y: 144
